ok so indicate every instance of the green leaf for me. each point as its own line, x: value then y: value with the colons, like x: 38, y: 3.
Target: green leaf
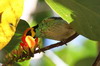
x: 84, y: 15
x: 24, y: 63
x: 64, y: 12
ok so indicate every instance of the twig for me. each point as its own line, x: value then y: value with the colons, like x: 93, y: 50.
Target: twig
x: 51, y: 46
x: 97, y: 60
x: 57, y: 44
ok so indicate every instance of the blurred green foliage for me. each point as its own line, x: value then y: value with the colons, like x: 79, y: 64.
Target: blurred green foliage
x: 47, y: 61
x: 74, y: 54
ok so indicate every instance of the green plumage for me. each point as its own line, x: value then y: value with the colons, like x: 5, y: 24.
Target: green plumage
x: 54, y: 28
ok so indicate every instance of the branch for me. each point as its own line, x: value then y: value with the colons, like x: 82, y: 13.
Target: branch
x: 57, y: 44
x: 97, y: 61
x: 47, y: 47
